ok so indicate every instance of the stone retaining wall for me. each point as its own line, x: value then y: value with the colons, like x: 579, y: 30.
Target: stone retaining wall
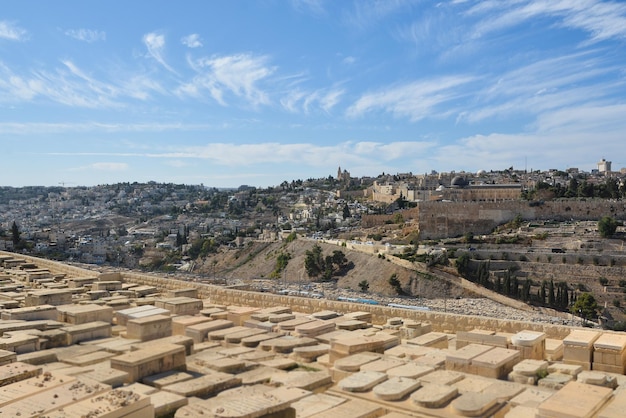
x: 443, y: 322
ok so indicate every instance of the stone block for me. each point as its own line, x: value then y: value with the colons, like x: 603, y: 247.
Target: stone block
x: 53, y: 297
x: 181, y: 305
x: 30, y: 313
x: 148, y: 361
x: 204, y: 386
x: 115, y: 403
x: 431, y: 339
x: 16, y: 371
x: 496, y: 363
x: 149, y: 328
x: 200, y: 331
x: 180, y: 323
x: 81, y: 314
x: 574, y: 400
x: 122, y: 316
x: 86, y: 332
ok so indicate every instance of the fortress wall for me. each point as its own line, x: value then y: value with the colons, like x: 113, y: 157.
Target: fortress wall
x: 54, y: 266
x: 445, y: 219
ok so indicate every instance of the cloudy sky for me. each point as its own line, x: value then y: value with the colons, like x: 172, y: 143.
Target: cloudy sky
x: 235, y: 92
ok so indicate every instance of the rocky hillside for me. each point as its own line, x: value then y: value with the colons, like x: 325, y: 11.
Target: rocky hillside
x: 257, y: 261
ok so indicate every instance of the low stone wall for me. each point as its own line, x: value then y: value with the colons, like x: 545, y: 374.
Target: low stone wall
x: 442, y: 322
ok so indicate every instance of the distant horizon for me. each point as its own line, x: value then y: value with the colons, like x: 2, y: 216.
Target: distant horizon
x: 257, y: 93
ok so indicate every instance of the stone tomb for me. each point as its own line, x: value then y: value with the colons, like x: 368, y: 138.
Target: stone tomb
x: 578, y: 347
x: 80, y: 314
x: 181, y: 305
x: 156, y: 359
x: 609, y: 353
x: 530, y: 344
x: 53, y: 297
x: 575, y: 400
x: 124, y: 315
x: 149, y: 328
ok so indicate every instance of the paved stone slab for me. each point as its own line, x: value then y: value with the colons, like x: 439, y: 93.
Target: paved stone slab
x: 361, y: 381
x: 396, y: 388
x: 504, y: 391
x: 575, y: 400
x: 617, y: 406
x: 23, y: 389
x: 14, y: 372
x: 532, y: 397
x: 433, y: 395
x: 112, y: 404
x: 50, y: 399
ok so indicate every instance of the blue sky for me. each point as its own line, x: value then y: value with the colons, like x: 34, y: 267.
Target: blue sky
x: 235, y: 92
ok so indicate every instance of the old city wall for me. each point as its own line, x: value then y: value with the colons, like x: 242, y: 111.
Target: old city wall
x: 449, y: 219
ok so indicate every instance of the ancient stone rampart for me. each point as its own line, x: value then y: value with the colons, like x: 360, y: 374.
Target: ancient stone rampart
x: 449, y: 219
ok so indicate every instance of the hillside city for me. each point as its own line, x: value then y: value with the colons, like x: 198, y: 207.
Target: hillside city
x: 443, y: 295
x: 176, y: 229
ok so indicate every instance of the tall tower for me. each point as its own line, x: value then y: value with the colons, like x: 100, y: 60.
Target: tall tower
x: 604, y: 166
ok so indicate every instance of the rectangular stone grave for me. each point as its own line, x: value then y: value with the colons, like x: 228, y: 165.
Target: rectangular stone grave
x: 204, y: 386
x: 314, y: 328
x: 574, y: 400
x: 16, y: 371
x: 200, y: 331
x: 181, y: 305
x: 19, y: 342
x: 149, y: 328
x: 345, y: 346
x: 554, y: 350
x: 578, y: 347
x: 118, y: 403
x: 124, y: 315
x: 461, y: 360
x: 431, y: 339
x: 190, y: 292
x: 239, y: 314
x: 609, y: 353
x: 183, y: 340
x: 180, y: 323
x: 108, y: 285
x: 496, y: 363
x: 85, y: 332
x: 53, y: 297
x: 80, y: 314
x: 30, y: 313
x: 151, y: 360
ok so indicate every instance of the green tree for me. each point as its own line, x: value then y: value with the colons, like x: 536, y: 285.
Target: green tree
x: 364, y: 286
x: 607, y: 226
x: 462, y: 264
x: 395, y: 283
x: 346, y: 211
x: 15, y: 233
x: 585, y: 306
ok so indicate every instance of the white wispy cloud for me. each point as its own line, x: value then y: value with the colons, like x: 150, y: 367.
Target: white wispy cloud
x: 15, y: 128
x: 543, y: 85
x: 416, y: 100
x: 239, y: 75
x: 326, y: 99
x: 192, y: 41
x: 86, y: 35
x: 599, y: 19
x: 11, y: 31
x: 155, y: 43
